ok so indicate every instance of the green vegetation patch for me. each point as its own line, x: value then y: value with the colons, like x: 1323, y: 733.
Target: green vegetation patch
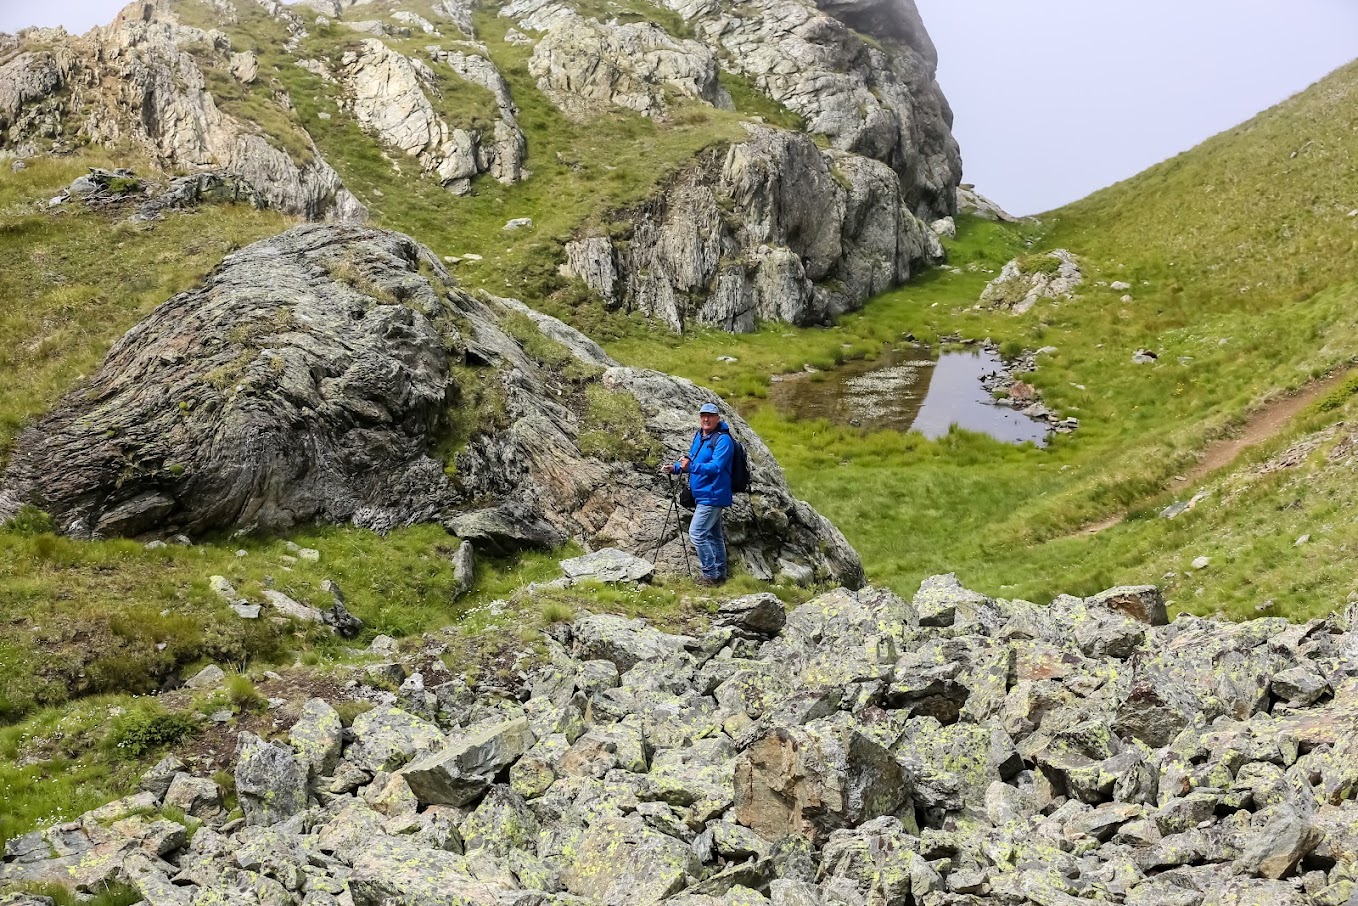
x: 615, y: 428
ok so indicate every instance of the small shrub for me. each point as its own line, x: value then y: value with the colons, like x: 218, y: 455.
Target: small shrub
x: 615, y: 428
x: 349, y: 710
x: 30, y: 521
x: 109, y: 894
x: 143, y: 730
x: 1043, y: 263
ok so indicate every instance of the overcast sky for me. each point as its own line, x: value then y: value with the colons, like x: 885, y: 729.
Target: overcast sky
x: 1056, y: 98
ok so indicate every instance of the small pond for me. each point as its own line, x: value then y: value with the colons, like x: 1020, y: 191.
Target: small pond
x: 909, y: 389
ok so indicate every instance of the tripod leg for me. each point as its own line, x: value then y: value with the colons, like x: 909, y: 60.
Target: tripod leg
x: 660, y: 539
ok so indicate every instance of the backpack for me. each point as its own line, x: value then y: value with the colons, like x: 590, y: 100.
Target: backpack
x: 740, y: 469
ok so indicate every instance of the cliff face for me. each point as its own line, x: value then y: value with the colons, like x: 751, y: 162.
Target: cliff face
x: 789, y: 224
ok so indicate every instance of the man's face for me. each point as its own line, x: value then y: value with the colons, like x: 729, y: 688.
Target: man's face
x: 709, y: 421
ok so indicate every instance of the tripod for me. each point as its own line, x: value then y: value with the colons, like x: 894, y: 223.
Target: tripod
x: 673, y: 511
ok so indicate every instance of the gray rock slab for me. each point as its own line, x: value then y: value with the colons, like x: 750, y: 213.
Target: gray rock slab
x: 464, y: 769
x: 608, y: 565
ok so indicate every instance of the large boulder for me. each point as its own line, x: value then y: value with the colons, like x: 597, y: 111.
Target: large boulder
x: 815, y: 779
x: 389, y: 96
x: 860, y: 74
x: 770, y: 229
x: 622, y: 861
x: 271, y: 782
x: 464, y: 769
x: 310, y: 376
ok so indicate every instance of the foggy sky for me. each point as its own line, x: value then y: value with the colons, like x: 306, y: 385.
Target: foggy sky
x: 1056, y: 98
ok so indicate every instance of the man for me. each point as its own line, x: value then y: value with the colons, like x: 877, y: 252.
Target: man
x: 708, y: 465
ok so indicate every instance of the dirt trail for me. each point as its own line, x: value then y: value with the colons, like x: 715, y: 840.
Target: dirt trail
x: 1261, y: 426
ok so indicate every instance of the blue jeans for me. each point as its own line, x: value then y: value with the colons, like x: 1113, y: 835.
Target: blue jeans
x: 708, y: 540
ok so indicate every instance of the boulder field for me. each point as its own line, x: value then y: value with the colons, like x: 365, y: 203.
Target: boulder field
x: 952, y: 750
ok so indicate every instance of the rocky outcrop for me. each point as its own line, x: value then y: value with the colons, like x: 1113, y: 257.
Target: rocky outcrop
x: 310, y: 377
x: 140, y: 80
x: 1024, y: 282
x: 505, y: 159
x: 876, y: 98
x: 770, y: 229
x: 587, y: 67
x: 387, y: 95
x: 951, y: 750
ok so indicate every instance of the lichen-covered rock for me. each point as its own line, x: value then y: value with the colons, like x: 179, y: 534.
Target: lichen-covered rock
x: 875, y: 97
x: 858, y: 756
x: 142, y: 79
x: 460, y: 772
x: 270, y: 781
x: 385, y: 738
x: 624, y: 642
x: 158, y: 778
x: 587, y: 67
x: 388, y: 95
x: 197, y: 797
x: 816, y: 779
x: 621, y: 862
x: 759, y: 615
x: 1022, y: 283
x: 608, y: 565
x: 318, y: 737
x: 397, y: 871
x: 1140, y: 602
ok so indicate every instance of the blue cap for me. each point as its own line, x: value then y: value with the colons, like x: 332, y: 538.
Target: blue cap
x: 709, y: 409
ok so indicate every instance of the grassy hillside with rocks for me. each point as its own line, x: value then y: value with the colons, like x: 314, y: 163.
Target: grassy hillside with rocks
x: 1241, y: 276
x: 1239, y: 257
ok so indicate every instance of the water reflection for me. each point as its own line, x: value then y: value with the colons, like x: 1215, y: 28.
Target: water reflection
x: 909, y: 389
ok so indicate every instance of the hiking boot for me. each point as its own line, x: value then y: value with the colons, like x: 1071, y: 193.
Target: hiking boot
x: 705, y: 582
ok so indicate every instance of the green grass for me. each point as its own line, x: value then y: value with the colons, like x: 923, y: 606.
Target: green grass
x: 86, y: 277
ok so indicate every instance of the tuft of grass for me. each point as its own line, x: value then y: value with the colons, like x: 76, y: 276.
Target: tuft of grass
x: 556, y: 612
x: 242, y: 694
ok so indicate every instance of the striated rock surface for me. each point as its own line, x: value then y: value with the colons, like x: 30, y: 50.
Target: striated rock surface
x: 141, y: 80
x: 770, y: 229
x: 953, y: 750
x: 309, y: 379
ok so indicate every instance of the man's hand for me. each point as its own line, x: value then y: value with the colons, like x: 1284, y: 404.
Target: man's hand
x: 683, y: 464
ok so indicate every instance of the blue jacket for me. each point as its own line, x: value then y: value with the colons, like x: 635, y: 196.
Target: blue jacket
x: 709, y: 466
